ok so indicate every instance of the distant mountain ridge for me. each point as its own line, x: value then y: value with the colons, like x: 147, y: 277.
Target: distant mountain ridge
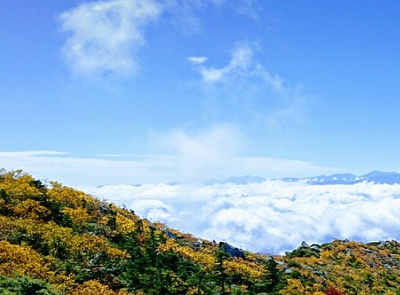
x: 338, y: 178
x: 348, y: 178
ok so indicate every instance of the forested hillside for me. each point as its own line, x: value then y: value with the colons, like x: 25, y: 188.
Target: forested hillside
x: 58, y: 240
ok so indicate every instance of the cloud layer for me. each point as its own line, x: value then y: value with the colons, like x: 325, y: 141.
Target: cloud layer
x: 272, y: 216
x: 187, y: 162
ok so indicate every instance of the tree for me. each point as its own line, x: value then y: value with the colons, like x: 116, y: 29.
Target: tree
x: 24, y: 286
x: 273, y: 280
x: 221, y: 256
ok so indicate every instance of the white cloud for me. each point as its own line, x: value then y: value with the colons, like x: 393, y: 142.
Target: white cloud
x: 72, y: 170
x: 185, y: 12
x: 240, y: 68
x: 272, y: 216
x: 27, y: 154
x: 241, y: 60
x: 206, y: 151
x: 105, y: 34
x: 197, y: 59
x: 264, y: 97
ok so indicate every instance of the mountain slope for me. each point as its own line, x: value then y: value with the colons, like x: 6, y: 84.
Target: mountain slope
x: 57, y: 240
x: 79, y: 244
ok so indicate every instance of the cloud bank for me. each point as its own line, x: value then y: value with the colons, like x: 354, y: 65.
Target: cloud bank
x: 188, y: 162
x: 272, y: 216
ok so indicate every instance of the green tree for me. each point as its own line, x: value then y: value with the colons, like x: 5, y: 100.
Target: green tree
x: 221, y: 256
x: 24, y: 286
x: 274, y: 279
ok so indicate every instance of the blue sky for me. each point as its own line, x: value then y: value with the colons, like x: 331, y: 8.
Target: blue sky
x: 132, y: 91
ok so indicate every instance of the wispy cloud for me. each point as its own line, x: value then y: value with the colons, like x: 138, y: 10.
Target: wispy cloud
x: 272, y: 216
x: 28, y: 154
x: 241, y: 60
x: 197, y: 59
x: 104, y: 35
x: 250, y: 8
x: 185, y: 12
x: 241, y: 68
x: 73, y: 170
x: 192, y: 157
x: 206, y: 150
x: 264, y: 95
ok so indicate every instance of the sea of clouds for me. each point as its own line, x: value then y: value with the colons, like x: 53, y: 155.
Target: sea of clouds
x: 270, y: 217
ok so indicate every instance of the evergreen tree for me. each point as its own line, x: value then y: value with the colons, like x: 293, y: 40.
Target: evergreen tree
x: 274, y: 279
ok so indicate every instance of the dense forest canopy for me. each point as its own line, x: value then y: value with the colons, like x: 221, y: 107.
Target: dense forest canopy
x: 58, y: 240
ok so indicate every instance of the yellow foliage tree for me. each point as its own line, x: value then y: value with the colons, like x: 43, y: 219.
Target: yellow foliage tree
x: 68, y: 196
x: 95, y: 288
x: 79, y: 216
x: 16, y: 259
x: 18, y: 185
x: 30, y: 209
